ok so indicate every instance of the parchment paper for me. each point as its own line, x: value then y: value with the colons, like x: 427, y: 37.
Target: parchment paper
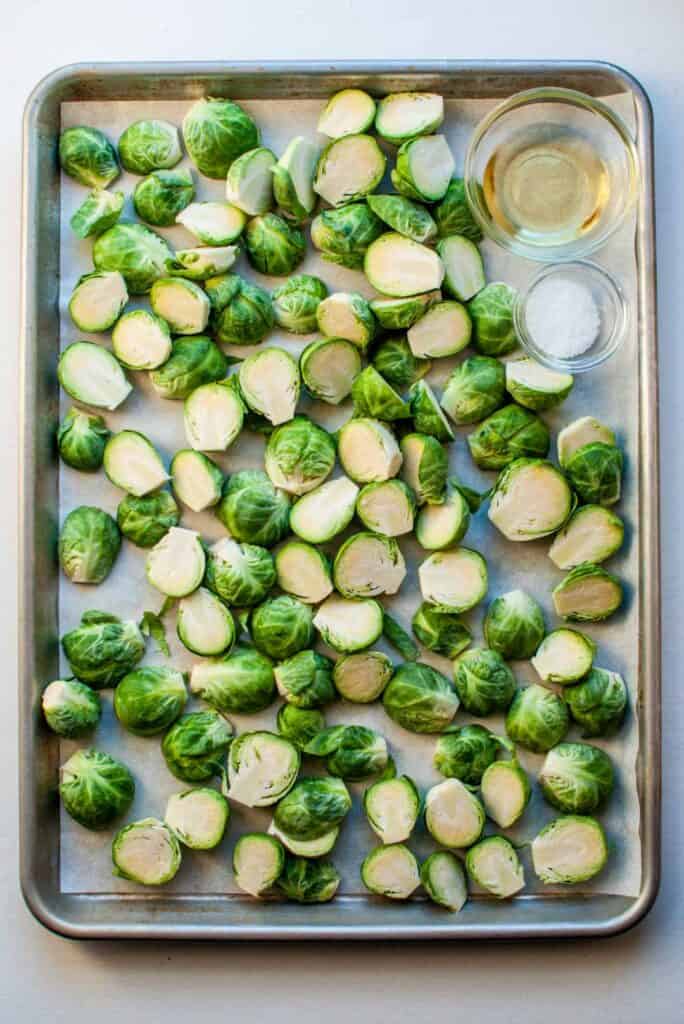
x: 610, y: 392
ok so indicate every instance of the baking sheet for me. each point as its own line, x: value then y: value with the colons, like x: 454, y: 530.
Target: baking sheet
x: 610, y: 392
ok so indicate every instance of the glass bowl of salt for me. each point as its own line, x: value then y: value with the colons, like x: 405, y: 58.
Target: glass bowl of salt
x: 571, y: 317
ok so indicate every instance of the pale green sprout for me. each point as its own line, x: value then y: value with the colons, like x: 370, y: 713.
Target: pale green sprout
x: 564, y: 656
x: 514, y: 625
x: 347, y: 112
x: 136, y: 252
x: 465, y: 752
x: 293, y: 177
x: 141, y: 340
x: 249, y: 181
x: 195, y: 746
x: 367, y: 565
x: 262, y: 768
x: 196, y: 480
x: 349, y: 625
x: 373, y: 397
x: 387, y: 507
x: 89, y: 543
x: 70, y: 708
x: 453, y: 581
x: 577, y: 778
x: 270, y: 384
x: 306, y: 847
x: 441, y: 632
x: 343, y: 235
x: 442, y: 526
x: 595, y: 473
x: 88, y: 156
x: 160, y: 197
x: 396, y: 362
x: 149, y: 146
x: 175, y: 565
x: 305, y: 680
x: 424, y: 467
x: 570, y: 849
x: 193, y: 361
x: 81, y: 440
x: 598, y: 703
x: 282, y: 626
x: 592, y: 534
x: 392, y: 807
x: 240, y: 574
x: 493, y: 864
x: 404, y: 115
x: 509, y: 433
x: 329, y: 367
x: 324, y: 512
x: 98, y: 300
x: 453, y: 214
x: 202, y: 263
x: 484, y: 682
x: 444, y: 880
x: 399, y: 267
x: 347, y: 315
x: 491, y: 312
x: 444, y: 330
x: 506, y: 791
x: 427, y: 416
x: 586, y: 430
x: 132, y: 463
x: 103, y: 648
x: 424, y: 168
x: 258, y: 861
x: 197, y: 817
x: 147, y: 852
x: 405, y: 216
x: 273, y: 245
x: 349, y: 168
x: 420, y: 699
x: 296, y: 302
x: 242, y: 313
x: 401, y: 313
x: 299, y: 725
x: 213, y: 416
x: 299, y: 456
x: 391, y: 871
x: 537, y: 719
x: 144, y: 521
x: 587, y: 594
x: 253, y: 510
x: 182, y: 304
x: 213, y: 223
x: 454, y: 816
x: 303, y: 571
x: 216, y: 132
x: 95, y: 788
x: 475, y: 389
x: 240, y: 682
x: 312, y: 807
x: 149, y: 699
x: 90, y: 374
x: 535, y: 386
x: 368, y: 451
x: 531, y: 499
x: 464, y: 274
x: 101, y: 210
x: 362, y: 677
x: 308, y: 881
x: 204, y: 625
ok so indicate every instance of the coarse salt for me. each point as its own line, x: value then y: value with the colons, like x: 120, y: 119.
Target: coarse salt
x: 562, y: 317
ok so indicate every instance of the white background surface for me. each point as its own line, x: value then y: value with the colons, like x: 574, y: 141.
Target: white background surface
x: 627, y: 980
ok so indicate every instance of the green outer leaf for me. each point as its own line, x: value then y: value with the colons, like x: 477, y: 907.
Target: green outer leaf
x: 396, y: 635
x: 152, y: 625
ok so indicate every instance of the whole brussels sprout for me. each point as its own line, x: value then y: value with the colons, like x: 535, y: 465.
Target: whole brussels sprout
x: 595, y: 473
x: 295, y: 303
x: 149, y: 146
x: 160, y: 197
x: 491, y: 312
x: 195, y: 746
x: 88, y: 156
x: 273, y: 246
x: 508, y: 434
x: 103, y: 649
x: 299, y: 455
x: 306, y: 680
x: 81, y: 440
x: 464, y: 752
x: 514, y: 625
x: 193, y: 361
x: 475, y: 389
x: 537, y: 719
x: 216, y: 132
x: 282, y: 627
x: 352, y: 752
x: 70, y: 708
x: 576, y: 778
x: 598, y: 704
x: 312, y: 808
x: 344, y: 234
x: 395, y: 361
x: 242, y: 313
x: 95, y: 788
x: 453, y: 214
x: 136, y: 252
x: 441, y: 632
x: 149, y: 699
x: 484, y: 682
x: 242, y: 683
x: 252, y: 510
x: 144, y: 521
x: 420, y: 699
x: 308, y: 881
x: 299, y: 725
x: 89, y: 543
x: 240, y: 574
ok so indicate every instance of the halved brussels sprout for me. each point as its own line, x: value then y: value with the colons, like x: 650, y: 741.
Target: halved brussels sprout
x: 361, y: 678
x: 306, y: 847
x: 352, y: 752
x: 420, y: 699
x: 595, y: 472
x: 484, y: 682
x: 204, y: 625
x: 404, y: 115
x: 132, y: 463
x: 136, y: 252
x: 586, y: 430
x: 569, y: 849
x: 443, y: 331
x: 242, y: 313
x: 587, y: 594
x: 531, y: 499
x: 425, y: 467
x: 392, y: 807
x: 88, y: 156
x: 444, y: 880
x: 296, y: 301
x: 465, y: 752
x: 258, y: 861
x: 373, y: 397
x: 506, y: 791
x: 564, y: 656
x: 299, y: 456
x: 453, y: 214
x: 453, y: 581
x: 240, y: 574
x: 270, y: 382
x: 149, y: 146
x: 81, y: 440
x: 396, y: 362
x: 347, y: 315
x: 213, y: 415
x: 535, y: 386
x: 141, y: 340
x: 576, y: 778
x: 274, y: 246
x: 510, y: 433
x: 475, y: 389
x: 391, y: 871
x: 281, y: 627
x: 70, y: 708
x: 213, y: 223
x: 144, y: 521
x: 343, y: 235
x: 147, y: 852
x: 216, y: 132
x: 95, y: 788
x: 514, y: 625
x: 454, y: 816
x: 89, y: 542
x: 403, y: 215
x: 98, y: 300
x: 241, y: 682
x: 424, y: 168
x: 592, y: 534
x: 323, y: 513
x: 441, y: 632
x: 397, y: 637
x: 91, y: 375
x: 464, y: 273
x: 347, y: 112
x: 368, y: 564
x: 196, y: 480
x: 427, y: 416
x: 102, y: 649
x: 399, y: 267
x: 252, y: 510
x: 175, y: 565
x: 441, y: 526
x: 387, y: 507
x: 262, y: 768
x: 193, y: 362
x: 308, y: 881
x: 293, y: 177
x: 197, y: 817
x: 249, y: 181
x: 349, y: 168
x: 537, y: 719
x: 303, y: 571
x: 598, y: 703
x: 183, y: 304
x: 493, y: 863
x: 195, y: 746
x: 368, y: 451
x: 312, y: 807
x: 202, y: 263
x: 349, y: 625
x: 305, y: 680
x: 401, y: 313
x: 299, y: 725
x: 491, y: 312
x: 328, y: 368
x: 149, y: 699
x: 160, y: 197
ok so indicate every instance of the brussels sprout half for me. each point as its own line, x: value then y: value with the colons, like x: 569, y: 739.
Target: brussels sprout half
x: 216, y: 132
x: 424, y: 168
x: 392, y: 807
x: 531, y: 499
x: 349, y: 168
x: 349, y: 625
x: 213, y: 416
x: 88, y: 156
x: 595, y: 472
x: 387, y: 507
x: 403, y: 215
x: 329, y: 367
x: 564, y: 656
x: 343, y: 235
x: 299, y: 456
x: 576, y: 778
x: 401, y: 313
x: 442, y: 526
x: 349, y: 316
x: 362, y: 677
x: 242, y: 313
x: 299, y: 725
x: 326, y: 511
x: 444, y: 880
x: 441, y: 632
x: 141, y: 340
x: 175, y: 565
x: 196, y: 480
x: 101, y: 210
x: 484, y: 682
x: 148, y: 700
x: 270, y: 383
x: 258, y: 861
x: 132, y: 463
x: 182, y: 304
x: 514, y: 625
x: 347, y: 112
x: 453, y: 214
x: 240, y: 682
x: 296, y: 302
x: 592, y: 534
x: 310, y: 848
x: 598, y: 703
x: 197, y: 817
x: 98, y: 300
x: 149, y: 146
x: 587, y: 594
x: 249, y: 181
x: 303, y: 571
x: 160, y: 197
x: 420, y: 699
x: 204, y: 626
x: 537, y: 719
x: 391, y: 871
x: 193, y: 361
x: 293, y: 178
x: 352, y: 752
x: 475, y: 389
x: 506, y: 791
x: 427, y: 416
x: 146, y: 852
x: 404, y: 115
x: 95, y: 788
x: 281, y: 627
x: 252, y: 510
x: 570, y: 849
x: 453, y: 581
x: 70, y: 708
x: 103, y: 648
x: 424, y: 467
x: 395, y: 361
x: 464, y: 273
x: 202, y: 263
x: 262, y: 768
x: 195, y: 746
x: 305, y: 680
x: 399, y: 267
x: 491, y: 312
x: 464, y: 752
x: 81, y: 440
x: 144, y: 521
x: 367, y: 565
x: 535, y: 386
x: 581, y: 432
x: 493, y: 864
x: 89, y: 543
x: 444, y: 330
x: 306, y: 881
x: 454, y: 816
x: 508, y: 434
x: 90, y: 374
x: 240, y: 574
x: 368, y: 451
x: 136, y: 252
x: 213, y: 223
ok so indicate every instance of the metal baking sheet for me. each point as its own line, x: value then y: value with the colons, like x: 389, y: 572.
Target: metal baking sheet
x: 65, y: 871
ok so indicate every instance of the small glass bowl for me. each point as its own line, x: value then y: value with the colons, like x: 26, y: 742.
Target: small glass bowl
x: 549, y: 117
x: 610, y: 302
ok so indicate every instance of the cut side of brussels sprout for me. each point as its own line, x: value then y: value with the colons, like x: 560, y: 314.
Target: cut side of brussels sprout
x: 197, y: 817
x: 514, y: 625
x: 403, y: 215
x: 149, y: 146
x: 367, y: 565
x: 328, y: 369
x: 453, y: 581
x: 400, y: 314
x: 349, y: 168
x: 576, y: 778
x: 443, y: 331
x: 91, y: 375
x: 586, y: 430
x: 537, y: 719
x: 87, y: 155
x: 425, y: 467
x: 196, y: 480
x: 587, y: 594
x: 427, y: 416
x: 491, y: 312
x: 441, y: 632
x: 146, y: 852
x: 535, y: 386
x: 392, y: 807
x: 101, y: 210
x: 262, y: 768
x: 204, y: 624
x: 303, y: 570
x: 391, y: 871
x: 293, y: 177
x: 89, y: 544
x: 474, y: 390
x: 404, y: 115
x: 564, y: 656
x: 424, y: 168
x: 133, y: 464
x: 213, y: 416
x: 531, y: 499
x: 375, y: 398
x: 348, y: 112
x: 347, y: 315
x: 202, y: 263
x: 249, y: 182
x: 305, y: 680
x: 484, y: 682
x: 70, y: 708
x: 175, y: 566
x: 493, y: 864
x: 592, y: 534
x: 349, y: 625
x: 387, y: 508
x: 444, y: 880
x: 323, y: 513
x: 361, y: 678
x: 505, y: 792
x: 213, y: 223
x: 269, y: 382
x: 258, y: 860
x: 420, y: 699
x: 598, y: 703
x: 454, y: 816
x: 306, y: 847
x: 464, y: 273
x: 570, y: 849
x: 98, y: 300
x: 442, y: 526
x: 299, y: 456
x: 216, y: 132
x: 399, y: 267
x: 183, y: 304
x: 368, y: 451
x: 141, y: 340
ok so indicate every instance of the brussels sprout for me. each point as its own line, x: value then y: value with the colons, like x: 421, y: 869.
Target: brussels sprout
x: 420, y: 699
x: 404, y: 115
x: 293, y: 177
x: 403, y: 215
x: 587, y: 594
x: 595, y: 472
x: 312, y: 807
x: 427, y: 416
x: 193, y: 361
x: 70, y: 708
x: 144, y: 521
x: 569, y: 849
x: 274, y: 246
x: 197, y: 817
x: 216, y: 132
x: 303, y: 571
x: 368, y: 451
x: 425, y: 467
x: 349, y: 625
x: 361, y: 678
x: 505, y: 790
x: 258, y: 861
x: 392, y: 807
x: 87, y: 156
x: 395, y: 635
x: 306, y: 847
x: 509, y: 433
x: 141, y: 340
x: 205, y: 626
x: 367, y: 565
x: 160, y: 197
x: 537, y: 719
x: 391, y: 871
x: 328, y: 368
x: 241, y: 682
x: 132, y: 463
x: 564, y: 656
x: 464, y: 273
x: 536, y: 387
x: 102, y: 649
x: 465, y: 752
x: 213, y: 416
x: 296, y: 301
x: 299, y: 456
x: 454, y: 816
x: 202, y: 263
x: 484, y: 682
x: 441, y: 632
x: 343, y: 235
x: 305, y: 680
x: 374, y: 397
x: 399, y: 267
x: 81, y: 440
x: 306, y: 881
x: 240, y: 574
x: 491, y: 312
x: 89, y: 543
x: 475, y: 390
x: 91, y: 375
x: 444, y: 880
x: 592, y: 534
x: 424, y: 168
x: 176, y: 563
x: 252, y: 510
x: 581, y: 432
x: 353, y: 752
x: 576, y: 778
x: 323, y: 513
x: 249, y: 181
x: 101, y: 210
x: 262, y: 768
x: 98, y: 300
x: 136, y: 252
x: 146, y: 852
x: 453, y: 581
x: 95, y: 788
x: 443, y: 331
x: 598, y: 703
x: 149, y: 699
x: 493, y: 864
x: 213, y: 223
x: 349, y: 168
x: 149, y: 146
x: 441, y: 526
x: 349, y: 316
x: 195, y: 746
x: 401, y: 313
x: 396, y: 362
x: 270, y: 383
x: 348, y: 112
x: 531, y: 499
x: 281, y: 627
x: 182, y: 304
x: 197, y: 481
x: 299, y: 725
x: 387, y: 507
x: 514, y: 625
x: 453, y: 214
x: 242, y: 313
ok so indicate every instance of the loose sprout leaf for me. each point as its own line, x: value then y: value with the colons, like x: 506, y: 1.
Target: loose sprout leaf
x: 396, y: 635
x: 152, y: 625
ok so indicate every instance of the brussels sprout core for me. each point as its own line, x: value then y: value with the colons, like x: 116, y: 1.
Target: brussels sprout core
x: 175, y: 566
x: 328, y: 368
x: 391, y: 871
x: 453, y: 581
x: 392, y: 807
x: 399, y: 267
x: 368, y: 450
x: 258, y: 860
x: 387, y: 507
x: 570, y: 849
x: 564, y: 656
x: 147, y: 852
x: 348, y: 625
x: 204, y: 624
x: 197, y: 817
x: 303, y: 571
x: 531, y: 499
x: 591, y: 534
x: 141, y: 340
x: 269, y: 381
x: 98, y: 300
x: 404, y: 115
x: 493, y: 864
x: 349, y: 168
x: 348, y: 112
x: 362, y: 677
x: 454, y: 817
x: 323, y: 513
x: 444, y: 880
x: 505, y: 791
x: 367, y: 565
x: 213, y: 416
x: 262, y: 768
x: 91, y: 375
x: 132, y: 463
x: 443, y: 331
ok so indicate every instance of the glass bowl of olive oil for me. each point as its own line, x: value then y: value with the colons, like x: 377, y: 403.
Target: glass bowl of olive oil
x: 551, y: 173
